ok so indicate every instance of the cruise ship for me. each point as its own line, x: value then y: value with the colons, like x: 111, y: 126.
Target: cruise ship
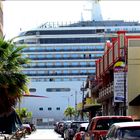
x: 62, y: 57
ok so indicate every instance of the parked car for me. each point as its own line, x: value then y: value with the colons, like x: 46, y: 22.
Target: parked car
x: 71, y: 129
x: 80, y: 131
x: 63, y: 127
x: 56, y: 126
x: 98, y: 126
x: 60, y: 126
x: 124, y: 131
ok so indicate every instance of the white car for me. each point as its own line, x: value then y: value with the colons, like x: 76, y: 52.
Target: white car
x: 124, y: 131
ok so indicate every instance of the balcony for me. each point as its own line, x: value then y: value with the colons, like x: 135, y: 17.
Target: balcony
x: 106, y: 92
x: 114, y: 52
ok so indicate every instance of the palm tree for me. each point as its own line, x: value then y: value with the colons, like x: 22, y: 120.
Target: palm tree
x: 13, y: 83
x: 69, y: 112
x: 24, y: 114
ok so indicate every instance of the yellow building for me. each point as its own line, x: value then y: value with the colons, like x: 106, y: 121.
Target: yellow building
x: 134, y: 76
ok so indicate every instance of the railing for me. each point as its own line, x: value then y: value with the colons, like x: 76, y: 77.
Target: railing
x: 111, y: 56
x: 106, y: 90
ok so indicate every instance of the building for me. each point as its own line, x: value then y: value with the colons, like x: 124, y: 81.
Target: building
x: 117, y: 80
x: 1, y: 19
x: 62, y: 58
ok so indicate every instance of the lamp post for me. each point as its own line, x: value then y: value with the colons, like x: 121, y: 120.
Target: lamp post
x: 125, y: 82
x: 76, y: 101
x: 82, y: 111
x: 68, y: 99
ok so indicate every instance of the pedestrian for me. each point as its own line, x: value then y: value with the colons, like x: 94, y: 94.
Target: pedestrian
x: 9, y: 122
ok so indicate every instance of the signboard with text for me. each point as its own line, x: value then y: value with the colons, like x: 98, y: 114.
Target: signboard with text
x: 120, y: 84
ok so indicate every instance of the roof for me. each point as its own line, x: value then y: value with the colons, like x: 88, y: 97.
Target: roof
x: 127, y: 124
x: 84, y: 124
x: 104, y: 117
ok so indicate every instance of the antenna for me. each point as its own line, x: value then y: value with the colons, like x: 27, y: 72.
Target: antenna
x: 82, y: 19
x: 95, y: 10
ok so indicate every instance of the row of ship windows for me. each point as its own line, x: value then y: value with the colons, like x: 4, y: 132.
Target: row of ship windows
x: 55, y: 64
x: 49, y: 108
x: 62, y: 50
x: 53, y: 89
x: 68, y: 56
x: 67, y: 48
x: 58, y: 79
x: 63, y: 32
x: 56, y: 32
x: 65, y: 40
x: 58, y: 72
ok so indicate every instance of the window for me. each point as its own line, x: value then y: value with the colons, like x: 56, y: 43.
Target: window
x: 58, y: 89
x: 49, y: 108
x: 58, y: 108
x: 32, y: 89
x: 41, y: 108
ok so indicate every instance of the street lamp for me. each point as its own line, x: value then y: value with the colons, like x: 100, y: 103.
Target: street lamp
x: 125, y: 50
x: 125, y: 82
x: 82, y: 112
x: 68, y: 99
x: 76, y: 101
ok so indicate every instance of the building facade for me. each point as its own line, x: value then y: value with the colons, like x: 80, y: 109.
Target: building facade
x: 117, y: 79
x: 61, y: 59
x: 1, y: 19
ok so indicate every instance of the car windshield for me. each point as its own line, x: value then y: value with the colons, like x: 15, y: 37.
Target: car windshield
x: 129, y: 132
x: 105, y: 124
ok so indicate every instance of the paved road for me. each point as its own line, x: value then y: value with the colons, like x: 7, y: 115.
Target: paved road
x: 43, y: 134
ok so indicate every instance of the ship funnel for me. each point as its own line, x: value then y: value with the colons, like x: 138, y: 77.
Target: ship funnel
x: 95, y: 10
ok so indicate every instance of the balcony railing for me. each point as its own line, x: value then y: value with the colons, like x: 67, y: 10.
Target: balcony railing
x: 106, y: 91
x: 114, y: 53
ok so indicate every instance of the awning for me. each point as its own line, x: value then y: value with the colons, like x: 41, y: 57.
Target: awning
x: 92, y: 107
x: 135, y: 101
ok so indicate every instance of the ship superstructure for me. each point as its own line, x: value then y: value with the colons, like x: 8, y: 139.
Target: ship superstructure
x: 62, y: 56
x: 61, y: 59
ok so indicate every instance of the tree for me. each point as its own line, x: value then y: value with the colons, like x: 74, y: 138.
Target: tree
x: 13, y: 83
x: 24, y: 114
x: 69, y: 112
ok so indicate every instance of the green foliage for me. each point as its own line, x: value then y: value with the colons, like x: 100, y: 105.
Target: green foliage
x: 24, y: 114
x: 13, y: 83
x: 69, y: 112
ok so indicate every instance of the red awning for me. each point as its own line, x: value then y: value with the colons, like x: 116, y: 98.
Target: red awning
x: 25, y: 95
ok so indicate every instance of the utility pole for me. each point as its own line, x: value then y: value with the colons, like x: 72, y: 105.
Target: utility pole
x: 82, y: 111
x: 125, y: 82
x: 76, y: 105
x: 75, y: 100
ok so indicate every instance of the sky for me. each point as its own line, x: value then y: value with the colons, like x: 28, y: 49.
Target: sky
x: 25, y: 15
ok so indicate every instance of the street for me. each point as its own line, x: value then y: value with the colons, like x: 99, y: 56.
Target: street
x: 43, y: 134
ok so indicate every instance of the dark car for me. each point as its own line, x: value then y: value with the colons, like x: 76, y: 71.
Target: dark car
x: 80, y: 131
x: 63, y: 127
x: 72, y: 129
x: 60, y: 126
x: 56, y: 126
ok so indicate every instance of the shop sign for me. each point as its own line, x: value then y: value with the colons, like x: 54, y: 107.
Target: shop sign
x: 119, y: 79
